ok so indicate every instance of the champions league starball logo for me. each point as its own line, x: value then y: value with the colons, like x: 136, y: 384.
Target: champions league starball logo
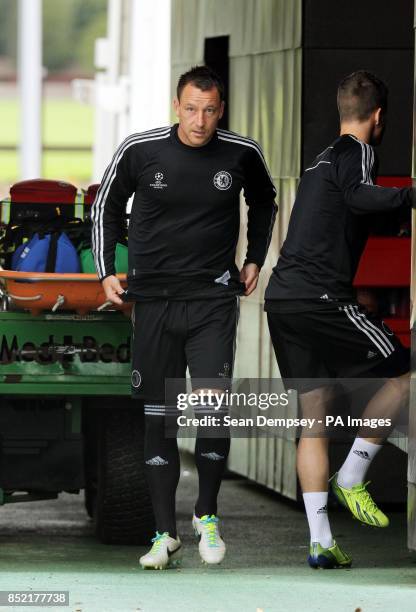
x: 158, y: 184
x: 223, y: 180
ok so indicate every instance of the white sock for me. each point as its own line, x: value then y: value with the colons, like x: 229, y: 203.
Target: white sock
x: 317, y: 513
x: 356, y: 464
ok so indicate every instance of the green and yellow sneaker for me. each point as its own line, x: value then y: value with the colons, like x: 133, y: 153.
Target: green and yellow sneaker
x: 327, y: 558
x: 211, y: 545
x: 165, y: 552
x: 360, y: 503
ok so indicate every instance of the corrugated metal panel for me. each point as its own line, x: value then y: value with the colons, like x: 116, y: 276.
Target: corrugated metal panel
x: 265, y: 104
x: 268, y: 461
x: 266, y: 25
x: 254, y: 26
x: 265, y: 99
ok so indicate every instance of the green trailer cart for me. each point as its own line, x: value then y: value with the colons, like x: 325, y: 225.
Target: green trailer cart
x: 67, y: 421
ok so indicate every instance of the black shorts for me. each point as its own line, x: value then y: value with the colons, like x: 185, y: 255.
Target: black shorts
x: 335, y: 340
x: 170, y: 336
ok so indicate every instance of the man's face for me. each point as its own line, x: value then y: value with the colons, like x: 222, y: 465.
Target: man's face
x: 198, y: 113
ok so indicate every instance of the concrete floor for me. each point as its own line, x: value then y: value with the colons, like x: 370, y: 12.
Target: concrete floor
x: 50, y: 545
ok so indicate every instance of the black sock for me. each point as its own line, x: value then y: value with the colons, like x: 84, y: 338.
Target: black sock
x: 210, y: 459
x: 162, y: 471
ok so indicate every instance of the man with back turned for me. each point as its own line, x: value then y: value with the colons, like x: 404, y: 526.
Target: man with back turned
x: 318, y: 329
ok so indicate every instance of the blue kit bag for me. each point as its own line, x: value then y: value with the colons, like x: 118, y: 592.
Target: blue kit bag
x: 53, y: 252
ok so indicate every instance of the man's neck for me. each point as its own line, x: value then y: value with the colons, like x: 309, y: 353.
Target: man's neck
x: 362, y: 131
x: 184, y: 139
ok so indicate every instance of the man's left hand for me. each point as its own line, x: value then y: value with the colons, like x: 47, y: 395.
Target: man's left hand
x: 249, y: 275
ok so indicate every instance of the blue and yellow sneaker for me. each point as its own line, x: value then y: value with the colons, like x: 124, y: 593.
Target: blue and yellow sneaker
x: 327, y: 558
x: 360, y: 503
x: 165, y: 552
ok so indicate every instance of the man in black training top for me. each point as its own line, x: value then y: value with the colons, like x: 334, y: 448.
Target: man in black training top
x: 184, y: 227
x: 317, y: 328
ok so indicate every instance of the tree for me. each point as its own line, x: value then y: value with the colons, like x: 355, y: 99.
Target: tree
x: 69, y: 30
x: 8, y: 28
x: 59, y: 34
x: 94, y: 29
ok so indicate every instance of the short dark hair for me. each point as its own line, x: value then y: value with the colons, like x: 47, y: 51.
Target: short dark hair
x: 202, y: 77
x: 360, y: 94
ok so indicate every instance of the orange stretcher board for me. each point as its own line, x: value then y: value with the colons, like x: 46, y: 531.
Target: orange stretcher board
x: 40, y: 291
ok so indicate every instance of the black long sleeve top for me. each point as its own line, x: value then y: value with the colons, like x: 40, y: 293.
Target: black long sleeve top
x: 329, y: 224
x: 184, y: 221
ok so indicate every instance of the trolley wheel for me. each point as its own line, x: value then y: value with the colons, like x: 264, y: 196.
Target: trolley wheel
x: 118, y: 496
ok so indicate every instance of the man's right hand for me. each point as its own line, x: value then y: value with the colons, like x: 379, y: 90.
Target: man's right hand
x: 112, y: 289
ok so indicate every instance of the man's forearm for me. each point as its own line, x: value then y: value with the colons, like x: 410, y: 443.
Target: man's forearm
x: 372, y: 198
x: 259, y: 232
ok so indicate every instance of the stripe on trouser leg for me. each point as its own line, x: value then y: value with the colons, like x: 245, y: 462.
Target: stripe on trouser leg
x: 369, y: 334
x: 376, y: 329
x: 211, y: 408
x: 159, y: 410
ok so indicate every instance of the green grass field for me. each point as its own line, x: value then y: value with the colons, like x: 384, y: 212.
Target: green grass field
x: 65, y: 122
